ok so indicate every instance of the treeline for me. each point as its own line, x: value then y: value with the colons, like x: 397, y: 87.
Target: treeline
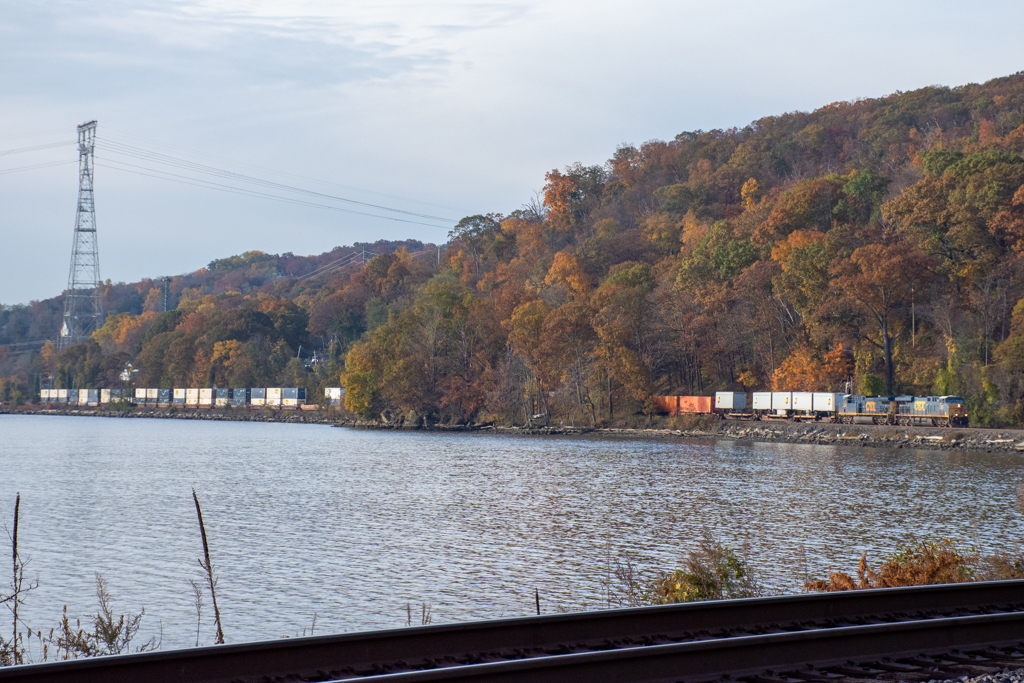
x: 874, y: 242
x: 241, y: 321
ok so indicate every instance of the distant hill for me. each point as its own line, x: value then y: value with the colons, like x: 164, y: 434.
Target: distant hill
x: 875, y: 243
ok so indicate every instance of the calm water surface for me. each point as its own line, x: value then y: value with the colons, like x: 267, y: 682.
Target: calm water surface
x: 353, y: 525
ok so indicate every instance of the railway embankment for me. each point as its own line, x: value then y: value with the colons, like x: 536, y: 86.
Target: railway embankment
x: 819, y: 433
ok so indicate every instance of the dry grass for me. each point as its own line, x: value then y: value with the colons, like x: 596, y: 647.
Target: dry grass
x: 918, y: 563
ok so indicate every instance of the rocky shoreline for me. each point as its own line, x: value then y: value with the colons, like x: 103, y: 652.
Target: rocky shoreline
x: 818, y: 433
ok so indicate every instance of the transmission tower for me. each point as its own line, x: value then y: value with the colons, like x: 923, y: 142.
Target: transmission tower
x: 83, y: 309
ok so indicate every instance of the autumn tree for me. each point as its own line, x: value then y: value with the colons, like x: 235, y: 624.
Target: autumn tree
x: 878, y: 281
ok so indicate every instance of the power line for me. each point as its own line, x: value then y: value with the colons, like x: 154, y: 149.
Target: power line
x: 203, y: 155
x: 157, y: 157
x: 197, y: 182
x: 30, y: 168
x: 35, y: 148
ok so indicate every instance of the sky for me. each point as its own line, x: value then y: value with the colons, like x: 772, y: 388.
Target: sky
x: 421, y: 112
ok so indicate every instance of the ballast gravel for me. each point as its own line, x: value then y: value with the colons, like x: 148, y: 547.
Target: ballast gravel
x: 1006, y: 676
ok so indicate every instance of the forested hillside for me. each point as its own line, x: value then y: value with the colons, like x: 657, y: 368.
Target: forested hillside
x: 876, y: 241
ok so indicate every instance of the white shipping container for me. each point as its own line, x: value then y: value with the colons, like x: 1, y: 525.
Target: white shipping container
x: 762, y: 400
x: 62, y: 394
x: 222, y: 400
x: 179, y: 393
x: 192, y: 397
x: 152, y: 394
x: 44, y: 395
x: 205, y: 393
x: 782, y: 400
x: 803, y: 400
x: 273, y: 396
x: 140, y: 394
x: 730, y: 400
x: 291, y: 401
x: 104, y: 395
x: 827, y: 402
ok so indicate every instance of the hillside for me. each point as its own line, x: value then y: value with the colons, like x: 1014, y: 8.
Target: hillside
x: 875, y: 241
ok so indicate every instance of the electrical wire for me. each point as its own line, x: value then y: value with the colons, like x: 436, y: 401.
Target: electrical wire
x: 185, y: 180
x: 157, y: 157
x: 29, y: 168
x: 107, y: 134
x: 35, y: 148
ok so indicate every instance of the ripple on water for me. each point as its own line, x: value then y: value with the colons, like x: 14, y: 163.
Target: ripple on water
x: 353, y: 525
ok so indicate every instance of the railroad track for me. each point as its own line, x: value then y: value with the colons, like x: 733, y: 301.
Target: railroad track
x: 908, y: 634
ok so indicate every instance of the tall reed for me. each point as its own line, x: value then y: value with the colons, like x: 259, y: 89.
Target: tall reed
x: 208, y: 567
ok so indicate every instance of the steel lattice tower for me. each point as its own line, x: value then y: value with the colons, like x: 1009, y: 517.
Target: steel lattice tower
x: 83, y: 308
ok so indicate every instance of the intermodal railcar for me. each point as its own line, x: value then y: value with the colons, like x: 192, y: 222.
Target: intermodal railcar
x: 935, y: 411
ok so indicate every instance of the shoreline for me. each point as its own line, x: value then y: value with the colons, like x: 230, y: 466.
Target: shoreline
x: 967, y: 439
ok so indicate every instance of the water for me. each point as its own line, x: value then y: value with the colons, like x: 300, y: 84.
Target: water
x: 355, y: 525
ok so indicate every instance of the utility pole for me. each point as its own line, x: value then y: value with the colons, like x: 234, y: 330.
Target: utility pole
x: 83, y: 306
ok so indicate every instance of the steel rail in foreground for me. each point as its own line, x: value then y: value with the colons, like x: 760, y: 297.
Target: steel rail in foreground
x: 749, y: 656
x: 381, y: 652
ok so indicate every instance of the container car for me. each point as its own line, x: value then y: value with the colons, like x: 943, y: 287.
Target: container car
x: 192, y: 397
x: 206, y: 397
x: 274, y: 396
x: 239, y: 397
x: 782, y: 403
x: 258, y: 396
x: 179, y: 397
x: 293, y: 396
x: 668, y: 405
x: 730, y: 402
x: 699, y: 405
x: 803, y: 403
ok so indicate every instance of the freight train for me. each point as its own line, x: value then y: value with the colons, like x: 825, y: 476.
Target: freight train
x: 935, y: 411
x: 190, y: 398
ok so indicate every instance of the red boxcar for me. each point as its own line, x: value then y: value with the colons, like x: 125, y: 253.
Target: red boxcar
x: 695, y: 404
x: 667, y: 404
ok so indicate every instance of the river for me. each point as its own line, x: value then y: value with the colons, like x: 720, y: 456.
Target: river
x: 354, y: 525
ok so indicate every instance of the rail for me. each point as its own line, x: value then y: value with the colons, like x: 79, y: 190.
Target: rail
x: 541, y: 645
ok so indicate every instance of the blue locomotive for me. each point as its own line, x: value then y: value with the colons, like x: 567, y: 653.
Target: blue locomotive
x: 934, y: 411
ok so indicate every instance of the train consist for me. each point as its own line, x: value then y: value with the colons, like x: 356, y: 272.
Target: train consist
x: 283, y: 397
x: 935, y: 411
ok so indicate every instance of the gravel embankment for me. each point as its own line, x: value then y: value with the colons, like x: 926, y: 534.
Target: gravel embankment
x: 1006, y: 676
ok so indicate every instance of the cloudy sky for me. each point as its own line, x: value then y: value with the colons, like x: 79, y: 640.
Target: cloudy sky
x: 423, y: 112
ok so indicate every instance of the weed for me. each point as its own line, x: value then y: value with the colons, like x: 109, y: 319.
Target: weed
x: 917, y: 563
x: 711, y: 572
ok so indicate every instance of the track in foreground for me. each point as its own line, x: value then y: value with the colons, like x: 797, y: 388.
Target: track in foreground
x: 692, y: 642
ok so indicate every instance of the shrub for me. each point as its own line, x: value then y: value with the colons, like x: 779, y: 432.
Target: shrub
x: 711, y: 572
x: 918, y: 563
